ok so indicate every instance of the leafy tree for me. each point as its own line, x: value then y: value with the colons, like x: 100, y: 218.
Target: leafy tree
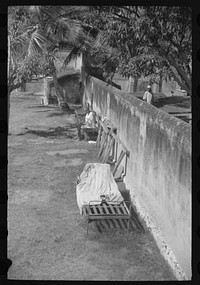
x: 35, y: 34
x: 21, y: 65
x: 60, y: 25
x: 145, y: 40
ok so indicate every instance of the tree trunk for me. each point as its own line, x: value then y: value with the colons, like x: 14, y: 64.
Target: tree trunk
x: 60, y: 95
x: 179, y: 74
x: 46, y: 92
x: 180, y: 71
x: 10, y: 89
x: 160, y: 85
x: 23, y: 87
x: 135, y: 83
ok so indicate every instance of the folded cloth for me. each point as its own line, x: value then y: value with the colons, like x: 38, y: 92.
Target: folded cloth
x: 96, y: 180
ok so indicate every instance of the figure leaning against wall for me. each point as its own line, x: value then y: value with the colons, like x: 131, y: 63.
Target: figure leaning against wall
x: 148, y: 95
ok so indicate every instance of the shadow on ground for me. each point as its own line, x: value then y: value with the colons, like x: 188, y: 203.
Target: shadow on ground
x: 178, y: 101
x: 60, y: 113
x: 43, y: 111
x: 41, y: 107
x: 184, y: 118
x: 68, y: 131
x: 49, y: 108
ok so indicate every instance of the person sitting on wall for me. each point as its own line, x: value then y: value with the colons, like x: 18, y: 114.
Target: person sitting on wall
x: 148, y: 95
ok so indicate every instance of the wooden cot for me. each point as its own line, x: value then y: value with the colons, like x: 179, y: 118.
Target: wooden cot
x: 107, y: 210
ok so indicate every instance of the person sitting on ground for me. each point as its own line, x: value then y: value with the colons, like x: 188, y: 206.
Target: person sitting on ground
x: 148, y: 95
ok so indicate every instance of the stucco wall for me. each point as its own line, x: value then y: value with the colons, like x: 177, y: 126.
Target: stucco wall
x: 159, y: 168
x: 127, y: 85
x: 73, y: 64
x: 35, y: 86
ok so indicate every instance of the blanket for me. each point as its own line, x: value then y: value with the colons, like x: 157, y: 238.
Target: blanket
x: 96, y: 180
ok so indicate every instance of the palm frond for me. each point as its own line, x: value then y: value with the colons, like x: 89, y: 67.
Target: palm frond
x: 65, y: 30
x: 73, y: 11
x: 60, y: 23
x: 74, y: 53
x: 37, y: 42
x: 50, y: 12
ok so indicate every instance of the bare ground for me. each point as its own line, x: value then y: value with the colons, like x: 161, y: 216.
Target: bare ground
x: 47, y: 236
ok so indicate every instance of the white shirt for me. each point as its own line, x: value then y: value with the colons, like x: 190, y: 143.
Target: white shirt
x: 89, y: 120
x: 148, y: 97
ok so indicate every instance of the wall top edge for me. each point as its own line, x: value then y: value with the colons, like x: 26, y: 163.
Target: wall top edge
x: 106, y: 85
x: 145, y: 107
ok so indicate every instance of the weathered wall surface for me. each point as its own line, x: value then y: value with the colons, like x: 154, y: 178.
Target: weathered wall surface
x: 127, y: 85
x: 159, y: 168
x: 73, y: 64
x: 35, y: 86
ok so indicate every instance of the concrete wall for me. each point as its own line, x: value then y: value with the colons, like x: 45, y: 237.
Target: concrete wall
x: 127, y: 85
x: 73, y: 64
x: 159, y: 168
x: 35, y: 86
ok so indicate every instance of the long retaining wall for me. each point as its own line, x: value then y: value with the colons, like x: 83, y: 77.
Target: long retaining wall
x: 159, y: 168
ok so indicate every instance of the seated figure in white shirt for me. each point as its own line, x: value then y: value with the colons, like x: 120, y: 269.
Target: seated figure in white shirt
x: 90, y: 120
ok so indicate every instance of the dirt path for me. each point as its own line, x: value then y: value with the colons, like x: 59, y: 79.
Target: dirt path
x: 47, y: 236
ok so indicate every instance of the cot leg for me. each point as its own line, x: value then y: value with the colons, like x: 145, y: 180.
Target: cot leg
x: 85, y: 136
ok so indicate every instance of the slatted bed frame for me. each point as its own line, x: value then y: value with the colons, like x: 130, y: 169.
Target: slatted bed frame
x: 107, y: 210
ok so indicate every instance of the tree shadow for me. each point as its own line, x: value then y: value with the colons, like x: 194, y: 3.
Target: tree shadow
x: 184, y: 118
x: 178, y: 113
x: 42, y: 107
x: 184, y: 104
x: 49, y: 108
x: 178, y: 101
x: 69, y: 131
x: 60, y: 114
x: 40, y: 111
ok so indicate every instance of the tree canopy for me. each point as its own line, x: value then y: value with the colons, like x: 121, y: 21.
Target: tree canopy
x: 34, y: 35
x: 143, y: 40
x: 152, y: 41
x: 25, y: 60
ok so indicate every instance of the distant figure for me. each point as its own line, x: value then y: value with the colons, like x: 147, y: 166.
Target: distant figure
x: 148, y: 95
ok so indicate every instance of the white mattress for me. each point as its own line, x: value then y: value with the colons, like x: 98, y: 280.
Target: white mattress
x: 95, y: 180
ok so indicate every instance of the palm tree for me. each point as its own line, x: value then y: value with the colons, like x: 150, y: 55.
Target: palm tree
x: 56, y: 25
x: 19, y: 31
x: 48, y: 27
